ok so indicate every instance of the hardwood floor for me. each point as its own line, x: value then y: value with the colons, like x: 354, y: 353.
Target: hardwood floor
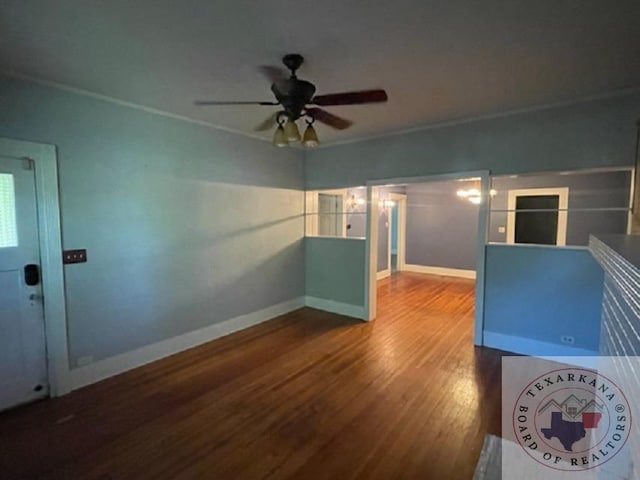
x: 309, y: 395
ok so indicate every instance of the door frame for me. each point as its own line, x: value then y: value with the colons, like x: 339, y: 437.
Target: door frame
x: 50, y: 241
x: 401, y: 203
x: 381, y: 206
x: 371, y: 241
x: 563, y: 204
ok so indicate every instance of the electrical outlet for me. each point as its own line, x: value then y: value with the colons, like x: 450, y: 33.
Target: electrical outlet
x: 567, y: 339
x: 501, y: 229
x: 86, y: 360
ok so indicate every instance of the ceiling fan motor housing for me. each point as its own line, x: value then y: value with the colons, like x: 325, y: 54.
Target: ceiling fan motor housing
x: 293, y: 94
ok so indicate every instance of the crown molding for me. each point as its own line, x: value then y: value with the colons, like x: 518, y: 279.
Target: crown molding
x: 125, y: 103
x: 414, y: 129
x: 491, y: 116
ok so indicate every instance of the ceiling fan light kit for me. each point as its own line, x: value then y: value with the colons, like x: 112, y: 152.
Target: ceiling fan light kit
x: 310, y: 137
x: 280, y: 137
x: 291, y: 130
x: 294, y: 96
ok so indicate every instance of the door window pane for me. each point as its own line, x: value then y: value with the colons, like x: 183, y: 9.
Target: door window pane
x: 8, y: 229
x: 540, y: 225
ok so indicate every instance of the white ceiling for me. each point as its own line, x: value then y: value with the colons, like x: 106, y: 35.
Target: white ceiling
x: 439, y: 60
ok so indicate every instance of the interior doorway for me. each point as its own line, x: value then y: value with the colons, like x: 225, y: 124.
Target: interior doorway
x: 428, y: 228
x: 391, y: 230
x: 398, y: 231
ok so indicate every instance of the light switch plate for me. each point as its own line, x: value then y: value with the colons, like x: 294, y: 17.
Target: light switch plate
x: 74, y: 256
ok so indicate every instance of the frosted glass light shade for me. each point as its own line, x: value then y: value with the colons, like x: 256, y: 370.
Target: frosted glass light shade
x: 291, y: 131
x: 310, y: 138
x: 279, y: 137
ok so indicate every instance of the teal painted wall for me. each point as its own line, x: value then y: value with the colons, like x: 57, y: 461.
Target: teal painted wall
x: 185, y: 225
x: 335, y: 269
x: 599, y: 133
x: 542, y: 293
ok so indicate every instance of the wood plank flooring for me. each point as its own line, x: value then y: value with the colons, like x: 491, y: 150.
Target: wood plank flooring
x: 309, y: 395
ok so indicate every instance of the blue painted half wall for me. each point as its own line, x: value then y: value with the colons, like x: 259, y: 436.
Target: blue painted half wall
x: 335, y: 274
x: 534, y: 295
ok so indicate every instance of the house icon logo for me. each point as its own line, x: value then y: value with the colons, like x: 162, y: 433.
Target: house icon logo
x: 572, y: 419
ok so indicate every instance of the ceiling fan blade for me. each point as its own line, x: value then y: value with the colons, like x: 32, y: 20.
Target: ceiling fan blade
x: 273, y: 74
x: 350, y: 98
x: 327, y: 118
x: 268, y: 123
x: 214, y: 102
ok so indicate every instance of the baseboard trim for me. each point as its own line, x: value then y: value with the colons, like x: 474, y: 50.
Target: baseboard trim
x: 536, y: 348
x: 447, y: 272
x: 340, y: 308
x: 383, y: 274
x: 102, y: 369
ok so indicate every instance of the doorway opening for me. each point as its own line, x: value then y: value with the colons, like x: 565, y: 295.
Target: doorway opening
x: 423, y: 232
x: 391, y: 231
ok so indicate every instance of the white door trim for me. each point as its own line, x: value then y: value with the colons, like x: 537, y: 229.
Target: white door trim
x: 401, y: 201
x: 383, y: 207
x: 48, y: 202
x: 563, y: 203
x: 371, y: 255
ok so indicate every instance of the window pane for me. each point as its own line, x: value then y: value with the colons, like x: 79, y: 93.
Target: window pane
x: 8, y: 229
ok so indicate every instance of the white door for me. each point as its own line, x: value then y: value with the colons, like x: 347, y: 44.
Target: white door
x: 330, y: 215
x: 23, y: 367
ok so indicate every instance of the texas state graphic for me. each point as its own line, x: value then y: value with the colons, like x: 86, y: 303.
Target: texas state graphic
x: 569, y: 432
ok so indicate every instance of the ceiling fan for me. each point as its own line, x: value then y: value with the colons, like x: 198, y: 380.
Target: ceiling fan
x: 297, y: 99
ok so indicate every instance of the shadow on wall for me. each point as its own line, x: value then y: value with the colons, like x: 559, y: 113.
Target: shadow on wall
x: 184, y: 225
x: 150, y: 307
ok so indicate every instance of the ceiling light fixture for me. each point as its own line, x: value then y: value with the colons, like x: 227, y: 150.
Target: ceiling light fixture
x: 279, y: 136
x: 287, y: 132
x: 310, y: 137
x: 291, y: 131
x: 474, y: 195
x: 355, y: 202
